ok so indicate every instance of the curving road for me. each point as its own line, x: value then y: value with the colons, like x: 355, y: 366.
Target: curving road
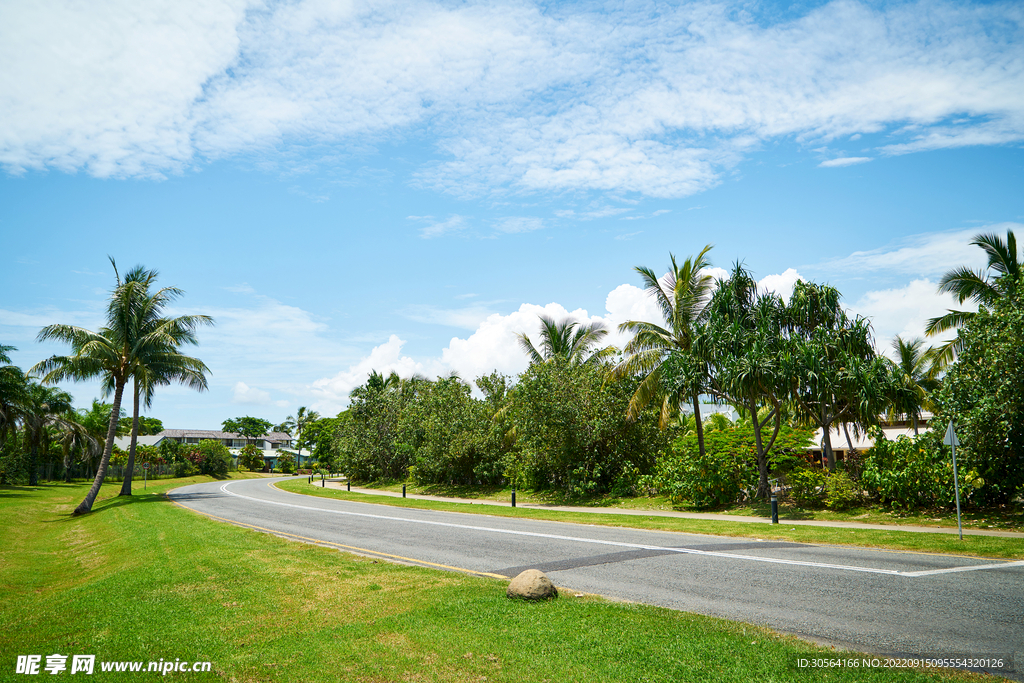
x: 867, y: 600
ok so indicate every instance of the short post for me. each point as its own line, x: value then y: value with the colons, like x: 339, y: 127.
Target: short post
x: 348, y: 483
x: 403, y: 490
x: 322, y: 484
x: 513, y: 496
x: 775, y: 508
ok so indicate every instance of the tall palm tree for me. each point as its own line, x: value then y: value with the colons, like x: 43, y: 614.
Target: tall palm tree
x: 977, y: 287
x: 157, y: 365
x: 295, y: 424
x: 916, y: 379
x: 568, y: 340
x: 116, y: 352
x: 683, y: 296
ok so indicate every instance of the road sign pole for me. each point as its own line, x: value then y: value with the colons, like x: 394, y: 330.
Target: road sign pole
x: 956, y: 488
x: 951, y: 440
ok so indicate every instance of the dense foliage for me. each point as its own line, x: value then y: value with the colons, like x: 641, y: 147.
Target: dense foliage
x: 983, y: 392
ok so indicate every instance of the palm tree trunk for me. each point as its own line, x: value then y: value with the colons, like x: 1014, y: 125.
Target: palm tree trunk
x: 126, y: 484
x: 763, y: 489
x: 86, y: 505
x: 830, y: 455
x: 33, y: 462
x: 700, y: 426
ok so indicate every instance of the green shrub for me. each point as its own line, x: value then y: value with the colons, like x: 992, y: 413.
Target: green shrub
x: 714, y: 480
x: 184, y: 468
x: 251, y: 458
x: 806, y: 486
x: 840, y: 491
x: 13, y: 464
x: 915, y: 472
x: 286, y: 461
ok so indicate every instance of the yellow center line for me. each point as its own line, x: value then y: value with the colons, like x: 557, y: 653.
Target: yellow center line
x: 341, y: 545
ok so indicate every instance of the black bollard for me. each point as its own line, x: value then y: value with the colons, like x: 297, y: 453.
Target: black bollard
x: 513, y: 496
x: 349, y: 485
x: 775, y: 509
x: 322, y: 484
x: 403, y: 490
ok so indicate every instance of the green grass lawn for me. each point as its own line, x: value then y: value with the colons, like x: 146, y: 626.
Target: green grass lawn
x: 1007, y: 518
x: 974, y: 546
x: 142, y: 579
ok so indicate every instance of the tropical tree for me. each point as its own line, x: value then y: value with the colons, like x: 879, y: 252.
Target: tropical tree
x: 979, y: 287
x: 683, y: 296
x: 835, y: 376
x: 916, y: 375
x: 296, y: 424
x: 157, y: 365
x: 249, y: 428
x: 568, y: 339
x: 743, y: 343
x: 119, y: 351
x: 42, y: 408
x: 13, y: 385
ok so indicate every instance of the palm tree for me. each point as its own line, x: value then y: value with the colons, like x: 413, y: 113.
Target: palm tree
x: 984, y: 290
x: 13, y: 385
x: 157, y: 365
x: 916, y: 379
x: 132, y: 340
x: 297, y: 423
x: 41, y: 409
x: 683, y: 296
x: 568, y: 340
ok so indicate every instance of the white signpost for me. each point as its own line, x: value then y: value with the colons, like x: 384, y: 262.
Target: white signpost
x: 950, y: 440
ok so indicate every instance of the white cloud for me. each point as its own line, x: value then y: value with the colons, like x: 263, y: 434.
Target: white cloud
x: 332, y: 392
x: 905, y: 310
x: 468, y: 317
x: 929, y: 254
x: 434, y: 228
x: 247, y: 395
x: 782, y: 284
x: 515, y: 96
x: 844, y: 161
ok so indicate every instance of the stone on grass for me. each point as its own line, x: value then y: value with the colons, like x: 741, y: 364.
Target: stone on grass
x: 532, y: 585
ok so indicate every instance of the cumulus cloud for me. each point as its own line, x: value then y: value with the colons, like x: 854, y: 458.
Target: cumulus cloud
x: 782, y: 284
x: 332, y: 392
x: 905, y: 310
x: 513, y: 96
x: 247, y: 395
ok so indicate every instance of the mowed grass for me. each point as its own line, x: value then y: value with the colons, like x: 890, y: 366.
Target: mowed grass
x: 1005, y: 518
x: 973, y: 546
x: 143, y: 579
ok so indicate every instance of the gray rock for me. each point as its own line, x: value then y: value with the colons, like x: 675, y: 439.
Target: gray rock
x: 532, y: 585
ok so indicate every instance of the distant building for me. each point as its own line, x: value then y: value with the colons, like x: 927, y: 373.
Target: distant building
x: 862, y: 442
x: 270, y: 443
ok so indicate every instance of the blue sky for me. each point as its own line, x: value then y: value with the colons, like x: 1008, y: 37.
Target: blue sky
x: 347, y: 186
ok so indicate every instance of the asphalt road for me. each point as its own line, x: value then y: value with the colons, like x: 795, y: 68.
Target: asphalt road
x: 867, y: 600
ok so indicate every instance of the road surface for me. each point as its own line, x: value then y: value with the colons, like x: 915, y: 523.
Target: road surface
x: 867, y: 600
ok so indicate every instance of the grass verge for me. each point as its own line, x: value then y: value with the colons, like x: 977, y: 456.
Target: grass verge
x: 948, y: 544
x: 141, y: 580
x: 1004, y: 518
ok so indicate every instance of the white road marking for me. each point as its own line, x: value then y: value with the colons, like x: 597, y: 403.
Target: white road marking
x: 685, y: 551
x: 971, y: 568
